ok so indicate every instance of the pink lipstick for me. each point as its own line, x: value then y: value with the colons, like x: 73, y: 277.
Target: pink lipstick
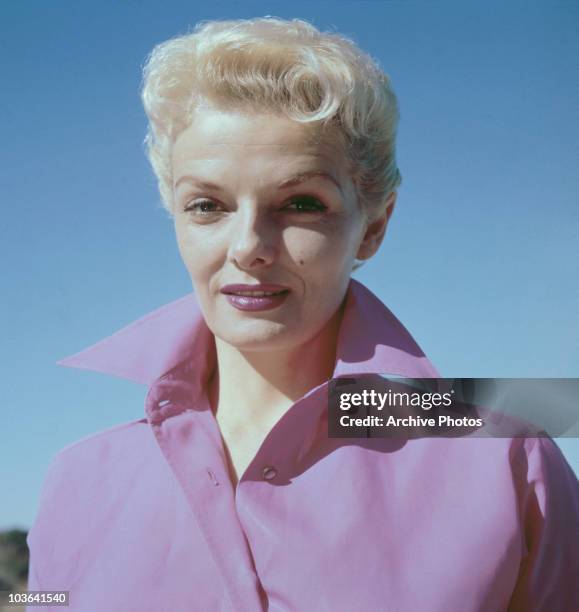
x: 255, y: 297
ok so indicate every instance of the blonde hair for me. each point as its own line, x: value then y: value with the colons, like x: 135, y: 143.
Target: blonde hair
x: 273, y: 65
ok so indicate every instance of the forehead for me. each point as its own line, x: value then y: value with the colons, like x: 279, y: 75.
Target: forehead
x: 235, y: 137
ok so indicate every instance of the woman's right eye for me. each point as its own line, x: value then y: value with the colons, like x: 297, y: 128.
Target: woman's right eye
x: 202, y: 207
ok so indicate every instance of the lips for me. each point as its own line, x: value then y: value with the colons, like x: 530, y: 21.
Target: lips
x: 254, y: 298
x: 259, y: 290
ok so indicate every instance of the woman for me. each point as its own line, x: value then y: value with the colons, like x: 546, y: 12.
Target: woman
x: 274, y: 148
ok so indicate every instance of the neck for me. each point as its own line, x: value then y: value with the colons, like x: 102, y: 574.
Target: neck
x: 257, y: 387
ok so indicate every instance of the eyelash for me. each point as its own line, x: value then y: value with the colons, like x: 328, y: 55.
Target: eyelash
x: 318, y: 205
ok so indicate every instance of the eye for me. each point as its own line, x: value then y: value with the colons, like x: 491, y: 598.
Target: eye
x: 306, y: 204
x: 202, y: 207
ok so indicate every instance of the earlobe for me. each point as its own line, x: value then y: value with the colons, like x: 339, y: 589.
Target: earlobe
x: 376, y: 229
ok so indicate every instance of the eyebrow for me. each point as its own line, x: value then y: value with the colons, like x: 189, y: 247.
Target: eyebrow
x: 299, y: 178
x: 302, y: 177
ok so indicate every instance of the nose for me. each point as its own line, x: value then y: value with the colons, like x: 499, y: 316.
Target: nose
x: 253, y: 240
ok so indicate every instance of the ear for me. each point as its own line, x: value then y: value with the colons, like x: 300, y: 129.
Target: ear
x: 376, y: 229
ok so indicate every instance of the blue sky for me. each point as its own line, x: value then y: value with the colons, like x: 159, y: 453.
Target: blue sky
x: 481, y: 258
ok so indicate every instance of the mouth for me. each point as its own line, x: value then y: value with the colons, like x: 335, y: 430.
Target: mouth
x: 256, y: 291
x: 253, y: 298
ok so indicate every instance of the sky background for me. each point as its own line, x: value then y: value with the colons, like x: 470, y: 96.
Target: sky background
x: 481, y: 259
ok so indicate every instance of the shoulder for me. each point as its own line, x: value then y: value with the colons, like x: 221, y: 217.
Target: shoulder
x: 528, y: 475
x: 125, y: 437
x: 539, y: 469
x: 82, y: 472
x: 548, y: 487
x: 85, y: 483
x: 95, y: 451
x: 539, y: 460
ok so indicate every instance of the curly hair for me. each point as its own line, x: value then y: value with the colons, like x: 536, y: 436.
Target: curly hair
x: 282, y: 66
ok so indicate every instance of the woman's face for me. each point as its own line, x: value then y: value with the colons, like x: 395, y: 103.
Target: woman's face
x: 258, y: 200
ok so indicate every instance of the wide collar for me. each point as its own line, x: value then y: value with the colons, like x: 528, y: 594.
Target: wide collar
x: 370, y: 340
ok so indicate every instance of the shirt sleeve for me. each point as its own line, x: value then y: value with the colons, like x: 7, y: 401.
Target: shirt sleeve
x: 549, y: 506
x: 46, y: 531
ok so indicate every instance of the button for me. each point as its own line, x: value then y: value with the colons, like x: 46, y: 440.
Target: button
x: 212, y: 477
x: 269, y: 472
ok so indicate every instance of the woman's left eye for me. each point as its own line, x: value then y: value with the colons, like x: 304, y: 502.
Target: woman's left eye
x: 306, y: 204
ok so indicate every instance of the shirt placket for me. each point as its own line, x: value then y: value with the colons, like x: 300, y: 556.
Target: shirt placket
x: 189, y: 439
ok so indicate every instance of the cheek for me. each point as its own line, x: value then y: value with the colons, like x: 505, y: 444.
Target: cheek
x: 323, y: 250
x: 197, y: 251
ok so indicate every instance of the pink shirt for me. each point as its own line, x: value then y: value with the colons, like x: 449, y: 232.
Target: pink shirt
x: 143, y: 516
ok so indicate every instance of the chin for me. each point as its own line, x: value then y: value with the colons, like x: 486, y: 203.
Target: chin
x: 259, y: 335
